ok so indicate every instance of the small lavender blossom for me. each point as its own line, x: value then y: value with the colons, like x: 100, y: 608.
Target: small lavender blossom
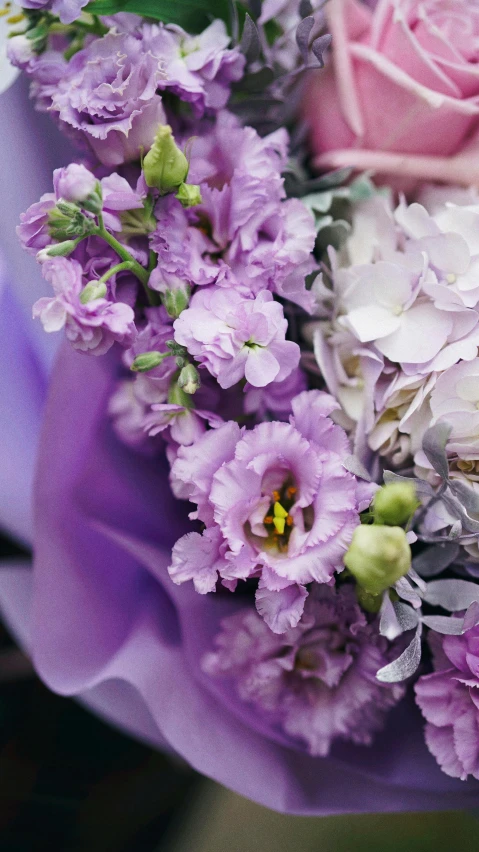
x: 92, y: 327
x: 73, y: 183
x: 316, y: 681
x: 278, y: 503
x: 108, y: 96
x: 236, y: 337
x: 448, y: 699
x: 67, y: 10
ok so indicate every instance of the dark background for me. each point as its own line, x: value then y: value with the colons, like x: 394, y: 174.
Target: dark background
x: 70, y: 783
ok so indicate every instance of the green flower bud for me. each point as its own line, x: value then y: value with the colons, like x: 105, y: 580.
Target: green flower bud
x: 189, y: 195
x: 165, y: 166
x: 93, y: 290
x: 395, y: 503
x: 62, y: 249
x: 175, y: 301
x: 378, y: 556
x: 148, y: 361
x: 189, y: 379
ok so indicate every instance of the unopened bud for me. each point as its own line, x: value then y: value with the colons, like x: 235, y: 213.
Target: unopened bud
x: 74, y: 183
x: 378, y: 556
x: 165, y: 166
x: 93, y: 290
x: 175, y: 301
x: 189, y: 379
x: 189, y: 195
x: 62, y: 249
x: 147, y: 361
x: 394, y: 503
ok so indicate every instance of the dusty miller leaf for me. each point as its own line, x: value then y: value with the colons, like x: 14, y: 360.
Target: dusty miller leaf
x: 353, y: 464
x: 452, y: 595
x: 453, y: 626
x: 405, y: 665
x: 435, y: 559
x: 319, y: 46
x: 250, y: 44
x: 469, y: 498
x: 434, y: 446
x: 396, y: 618
x: 303, y: 33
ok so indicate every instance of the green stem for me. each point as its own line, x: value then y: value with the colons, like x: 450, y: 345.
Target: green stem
x: 141, y: 273
x: 118, y: 268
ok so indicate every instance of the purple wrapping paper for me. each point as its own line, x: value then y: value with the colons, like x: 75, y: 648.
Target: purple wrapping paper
x: 105, y: 609
x: 103, y: 620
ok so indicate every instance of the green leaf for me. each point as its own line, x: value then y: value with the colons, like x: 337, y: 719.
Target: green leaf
x: 192, y: 15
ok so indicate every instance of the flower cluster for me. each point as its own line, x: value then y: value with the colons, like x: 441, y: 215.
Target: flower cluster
x: 404, y: 324
x: 298, y: 353
x: 316, y: 681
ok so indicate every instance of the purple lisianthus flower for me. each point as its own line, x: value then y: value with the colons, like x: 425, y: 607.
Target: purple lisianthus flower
x: 67, y: 10
x: 198, y: 68
x: 449, y: 701
x: 92, y: 327
x: 317, y: 681
x: 276, y: 501
x: 236, y: 337
x: 109, y: 97
x: 245, y: 235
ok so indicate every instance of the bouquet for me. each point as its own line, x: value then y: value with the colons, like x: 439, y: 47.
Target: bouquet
x: 257, y: 484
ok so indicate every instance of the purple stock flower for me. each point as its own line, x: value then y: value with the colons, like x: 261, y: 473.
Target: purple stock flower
x: 449, y: 701
x: 92, y: 327
x: 244, y: 235
x: 109, y: 96
x: 317, y: 681
x: 277, y: 504
x: 236, y: 337
x: 67, y: 10
x: 68, y: 183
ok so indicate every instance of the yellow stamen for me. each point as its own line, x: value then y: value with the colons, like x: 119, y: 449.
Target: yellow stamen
x: 291, y: 491
x: 279, y: 524
x: 15, y: 19
x: 278, y: 510
x: 289, y: 521
x: 276, y: 496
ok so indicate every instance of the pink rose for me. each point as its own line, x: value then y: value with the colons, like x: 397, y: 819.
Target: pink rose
x: 401, y: 94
